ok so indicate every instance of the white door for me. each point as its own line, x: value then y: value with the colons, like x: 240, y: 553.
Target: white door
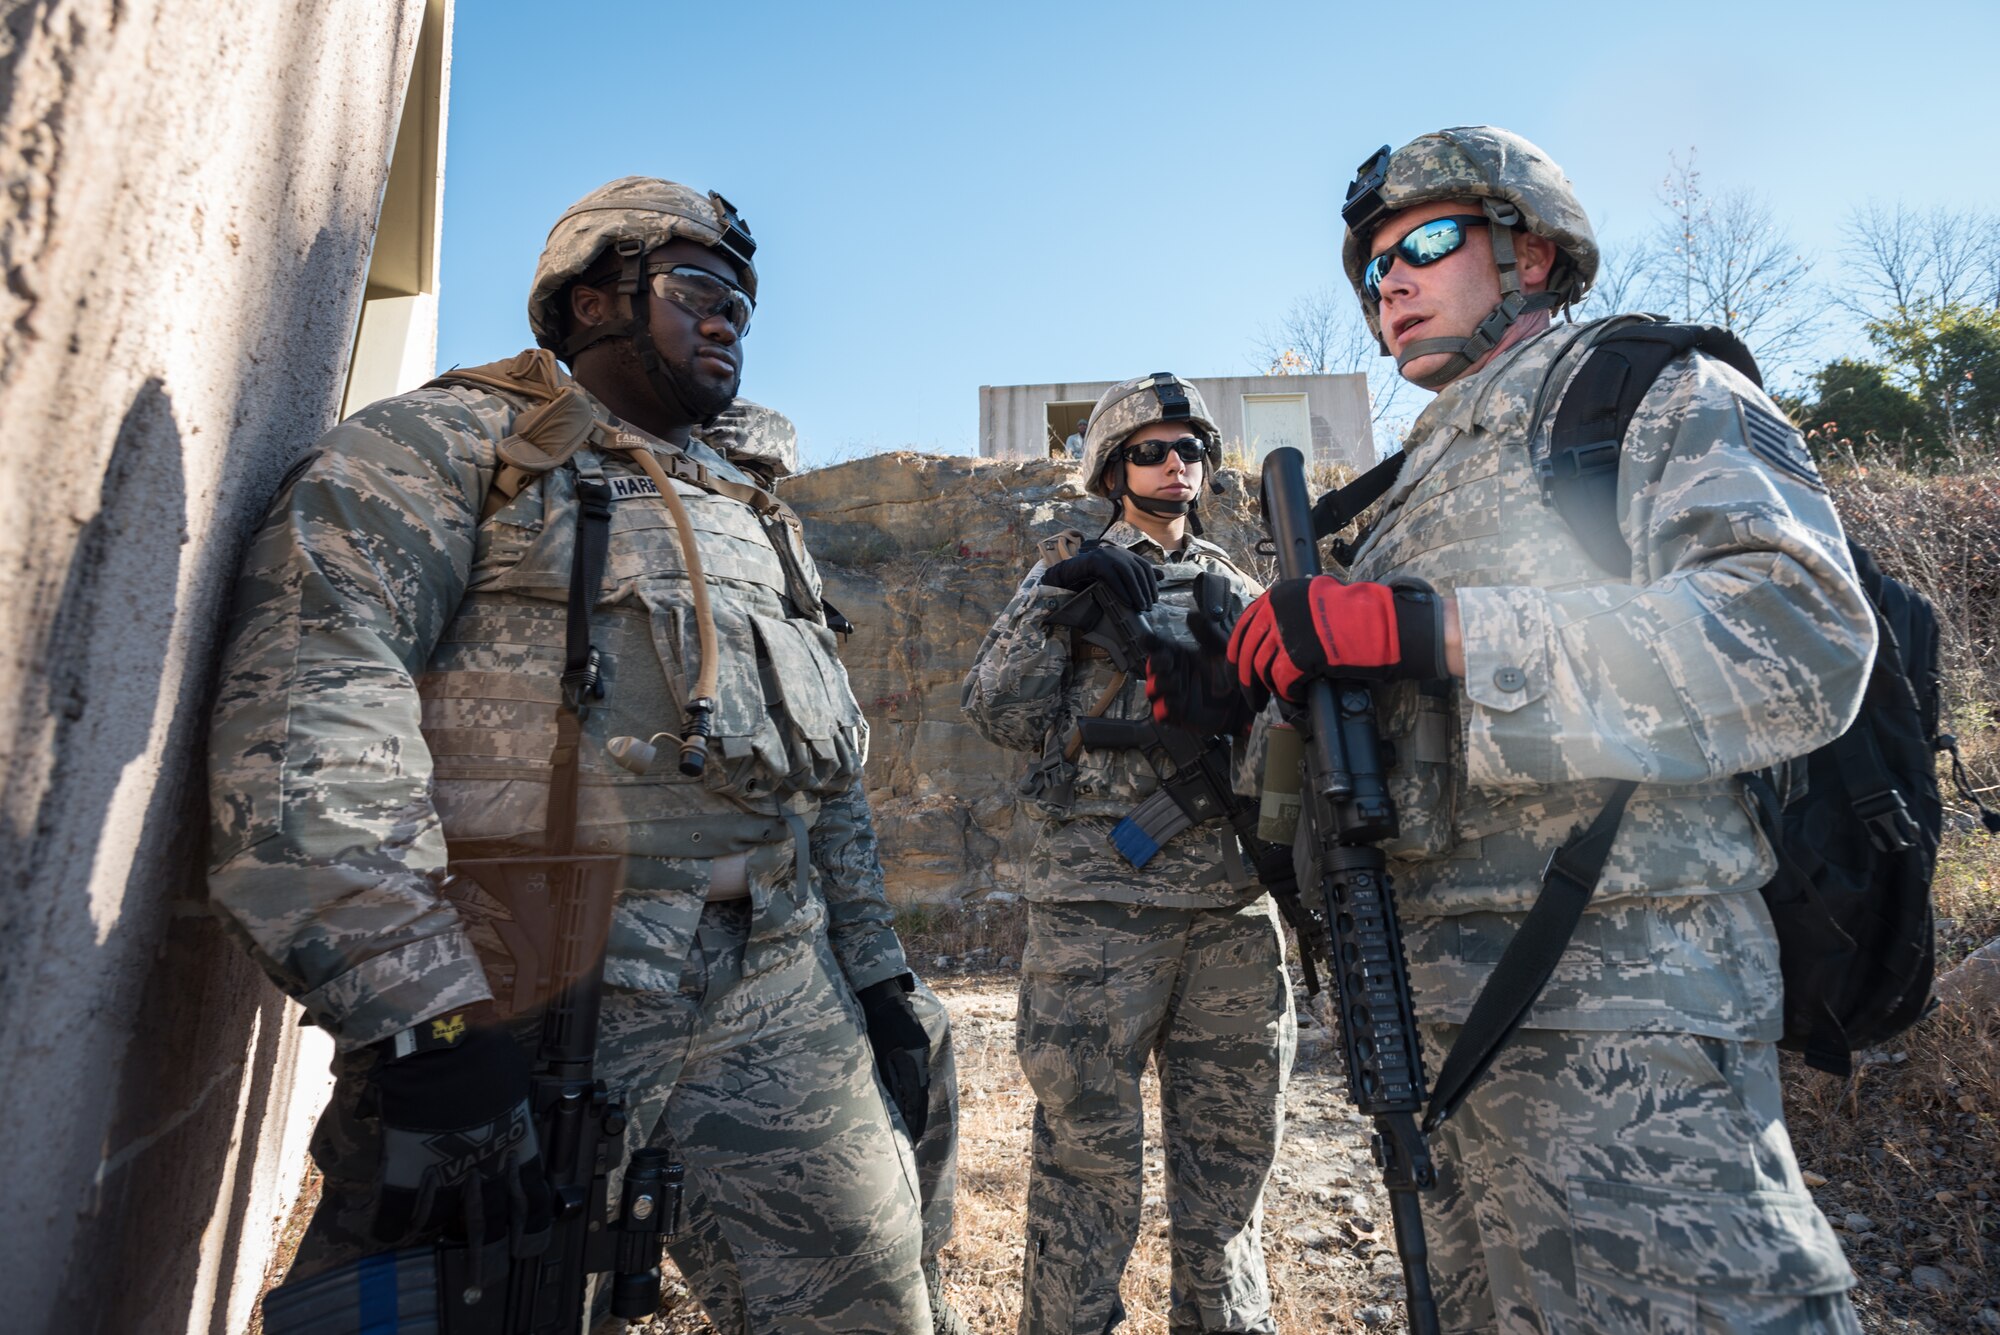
x: 1272, y: 421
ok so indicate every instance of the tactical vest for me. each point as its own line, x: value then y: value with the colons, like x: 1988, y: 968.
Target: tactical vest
x: 1469, y: 511
x: 1107, y: 782
x: 787, y: 729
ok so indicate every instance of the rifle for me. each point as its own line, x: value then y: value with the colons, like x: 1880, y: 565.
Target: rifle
x: 1195, y: 785
x: 1347, y: 814
x: 535, y: 1285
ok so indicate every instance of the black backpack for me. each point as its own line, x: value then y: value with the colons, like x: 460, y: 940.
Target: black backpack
x: 1856, y: 832
x: 1856, y: 828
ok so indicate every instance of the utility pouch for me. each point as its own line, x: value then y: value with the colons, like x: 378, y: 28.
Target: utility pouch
x: 541, y: 922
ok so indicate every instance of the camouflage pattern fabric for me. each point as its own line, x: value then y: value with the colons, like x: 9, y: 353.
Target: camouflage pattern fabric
x: 389, y: 690
x: 1026, y: 689
x: 761, y: 441
x: 1740, y: 638
x: 1203, y: 992
x: 802, y: 1203
x: 632, y: 208
x: 1628, y: 1184
x: 1480, y: 162
x: 1131, y: 404
x: 390, y: 684
x: 936, y: 1153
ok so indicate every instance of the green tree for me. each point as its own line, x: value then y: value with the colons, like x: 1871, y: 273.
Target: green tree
x: 1859, y: 402
x: 1934, y: 393
x: 1948, y: 358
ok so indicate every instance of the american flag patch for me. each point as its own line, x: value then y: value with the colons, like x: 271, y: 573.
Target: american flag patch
x: 1779, y: 444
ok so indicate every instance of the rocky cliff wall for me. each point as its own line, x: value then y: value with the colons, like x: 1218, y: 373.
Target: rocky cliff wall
x: 921, y: 552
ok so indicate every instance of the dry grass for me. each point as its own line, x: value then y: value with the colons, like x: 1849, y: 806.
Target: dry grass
x: 987, y: 935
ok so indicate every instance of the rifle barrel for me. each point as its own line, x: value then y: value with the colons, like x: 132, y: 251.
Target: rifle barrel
x: 1346, y: 812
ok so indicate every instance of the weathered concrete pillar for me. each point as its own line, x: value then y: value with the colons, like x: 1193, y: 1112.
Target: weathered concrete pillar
x: 192, y: 191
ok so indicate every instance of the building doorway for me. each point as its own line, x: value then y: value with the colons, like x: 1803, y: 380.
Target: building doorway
x: 1065, y: 418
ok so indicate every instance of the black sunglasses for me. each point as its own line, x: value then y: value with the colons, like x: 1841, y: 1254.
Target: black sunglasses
x: 1426, y: 243
x: 1147, y: 453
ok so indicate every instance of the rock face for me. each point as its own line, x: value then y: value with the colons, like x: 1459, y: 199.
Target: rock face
x: 921, y: 552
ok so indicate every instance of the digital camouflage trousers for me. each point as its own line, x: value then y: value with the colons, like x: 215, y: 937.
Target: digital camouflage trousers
x: 1627, y: 1184
x: 1202, y: 991
x: 803, y: 1203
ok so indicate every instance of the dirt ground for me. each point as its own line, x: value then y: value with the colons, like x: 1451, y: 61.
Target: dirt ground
x: 1902, y: 1166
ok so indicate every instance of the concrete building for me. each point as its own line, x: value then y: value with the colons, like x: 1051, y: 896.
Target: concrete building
x: 196, y: 280
x: 1325, y: 417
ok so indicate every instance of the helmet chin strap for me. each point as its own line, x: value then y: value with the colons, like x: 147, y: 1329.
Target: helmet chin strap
x: 1462, y: 354
x: 1153, y: 505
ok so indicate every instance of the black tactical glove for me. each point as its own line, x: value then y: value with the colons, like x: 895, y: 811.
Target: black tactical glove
x: 459, y: 1154
x: 1196, y: 689
x: 1126, y: 576
x: 902, y: 1048
x: 1274, y: 869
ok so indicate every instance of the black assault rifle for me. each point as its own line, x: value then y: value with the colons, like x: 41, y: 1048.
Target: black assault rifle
x: 1195, y: 779
x: 560, y: 917
x: 1347, y: 813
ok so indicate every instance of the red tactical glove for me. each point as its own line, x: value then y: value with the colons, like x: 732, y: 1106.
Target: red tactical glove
x: 1319, y: 627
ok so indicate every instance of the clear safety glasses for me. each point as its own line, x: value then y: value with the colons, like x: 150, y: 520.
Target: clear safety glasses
x: 1426, y: 243
x: 702, y: 295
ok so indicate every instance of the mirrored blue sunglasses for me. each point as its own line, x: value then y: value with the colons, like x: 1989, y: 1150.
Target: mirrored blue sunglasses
x: 1426, y: 243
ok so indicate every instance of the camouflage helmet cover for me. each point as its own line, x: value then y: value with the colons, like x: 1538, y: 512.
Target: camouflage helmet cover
x: 644, y: 209
x: 1141, y: 401
x: 1484, y: 162
x: 763, y: 437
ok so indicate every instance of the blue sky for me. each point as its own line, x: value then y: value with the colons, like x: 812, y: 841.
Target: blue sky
x: 947, y: 196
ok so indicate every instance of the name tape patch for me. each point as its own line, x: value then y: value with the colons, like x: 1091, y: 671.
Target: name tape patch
x: 625, y: 488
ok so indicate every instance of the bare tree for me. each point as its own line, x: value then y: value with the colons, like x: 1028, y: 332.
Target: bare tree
x: 1323, y: 333
x: 1625, y: 280
x: 1724, y: 260
x: 1900, y: 259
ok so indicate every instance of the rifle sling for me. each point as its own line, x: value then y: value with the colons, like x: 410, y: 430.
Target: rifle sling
x: 1568, y: 882
x: 580, y: 679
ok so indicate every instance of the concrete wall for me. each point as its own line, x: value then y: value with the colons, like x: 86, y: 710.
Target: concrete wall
x: 193, y: 187
x: 1012, y: 417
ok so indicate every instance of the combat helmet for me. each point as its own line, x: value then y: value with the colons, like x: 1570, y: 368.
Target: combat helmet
x: 1515, y: 185
x: 630, y: 217
x: 760, y: 440
x: 1129, y: 405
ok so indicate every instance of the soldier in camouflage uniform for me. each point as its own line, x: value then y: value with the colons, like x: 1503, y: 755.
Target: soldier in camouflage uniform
x: 1181, y: 960
x: 389, y: 701
x: 1624, y: 1166
x: 761, y: 441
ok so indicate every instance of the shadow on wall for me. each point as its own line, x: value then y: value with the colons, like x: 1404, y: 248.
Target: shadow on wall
x: 161, y: 1195
x: 173, y: 1125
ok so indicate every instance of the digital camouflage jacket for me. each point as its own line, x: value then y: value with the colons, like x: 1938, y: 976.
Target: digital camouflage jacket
x: 389, y: 693
x: 1028, y: 686
x: 1740, y: 639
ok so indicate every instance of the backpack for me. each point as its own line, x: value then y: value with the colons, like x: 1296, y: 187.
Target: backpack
x: 1856, y: 832
x: 1854, y: 824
